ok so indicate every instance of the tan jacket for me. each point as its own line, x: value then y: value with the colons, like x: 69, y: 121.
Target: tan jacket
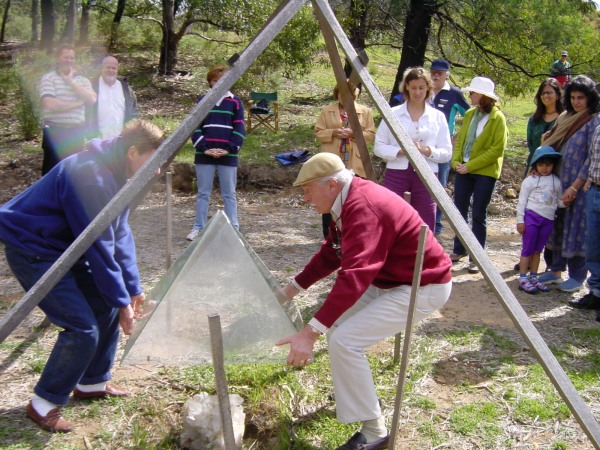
x: 330, y: 120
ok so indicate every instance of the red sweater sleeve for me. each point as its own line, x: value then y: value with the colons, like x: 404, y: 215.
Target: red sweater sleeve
x: 379, y: 244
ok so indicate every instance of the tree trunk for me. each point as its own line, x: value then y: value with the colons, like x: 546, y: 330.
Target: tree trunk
x: 114, y: 28
x: 69, y: 32
x: 357, y: 34
x: 48, y: 24
x: 35, y: 20
x: 4, y: 20
x: 168, y: 46
x: 416, y: 35
x: 84, y: 22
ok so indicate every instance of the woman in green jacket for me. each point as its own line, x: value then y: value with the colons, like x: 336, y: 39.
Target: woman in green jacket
x: 477, y: 160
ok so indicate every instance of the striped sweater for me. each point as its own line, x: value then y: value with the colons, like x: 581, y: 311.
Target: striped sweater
x: 222, y: 128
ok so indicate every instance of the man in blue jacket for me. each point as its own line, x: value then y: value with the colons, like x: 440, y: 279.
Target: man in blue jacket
x: 102, y: 290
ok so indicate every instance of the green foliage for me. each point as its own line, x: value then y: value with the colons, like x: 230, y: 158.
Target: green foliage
x: 512, y: 42
x: 27, y: 113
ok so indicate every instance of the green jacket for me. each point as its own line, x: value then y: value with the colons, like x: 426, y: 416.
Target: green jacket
x: 487, y: 153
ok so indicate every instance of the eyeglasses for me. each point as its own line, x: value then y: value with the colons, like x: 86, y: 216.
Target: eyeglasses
x: 548, y: 93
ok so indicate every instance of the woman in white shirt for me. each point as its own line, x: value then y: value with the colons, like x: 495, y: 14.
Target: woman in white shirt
x: 428, y: 129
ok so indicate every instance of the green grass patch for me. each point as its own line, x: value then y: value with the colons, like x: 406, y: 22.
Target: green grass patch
x: 477, y: 419
x: 430, y: 431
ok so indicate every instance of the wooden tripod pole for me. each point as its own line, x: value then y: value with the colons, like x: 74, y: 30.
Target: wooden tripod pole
x: 408, y: 334
x: 216, y: 339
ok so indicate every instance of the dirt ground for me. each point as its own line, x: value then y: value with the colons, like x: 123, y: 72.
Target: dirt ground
x: 285, y: 233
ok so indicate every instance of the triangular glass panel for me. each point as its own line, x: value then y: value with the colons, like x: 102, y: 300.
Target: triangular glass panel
x: 217, y: 274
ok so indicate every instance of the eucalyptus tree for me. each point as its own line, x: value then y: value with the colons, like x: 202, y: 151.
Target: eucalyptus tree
x: 512, y: 41
x: 291, y: 50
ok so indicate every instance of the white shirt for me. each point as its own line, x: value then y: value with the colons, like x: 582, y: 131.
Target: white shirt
x: 431, y: 130
x: 111, y: 109
x: 541, y: 195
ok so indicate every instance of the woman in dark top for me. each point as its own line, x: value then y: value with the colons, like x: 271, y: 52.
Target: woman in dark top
x: 548, y: 102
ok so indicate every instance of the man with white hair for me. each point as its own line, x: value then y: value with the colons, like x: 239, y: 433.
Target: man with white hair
x: 372, y: 243
x: 116, y: 103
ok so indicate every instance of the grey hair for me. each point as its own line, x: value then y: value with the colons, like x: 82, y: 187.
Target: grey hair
x: 343, y: 177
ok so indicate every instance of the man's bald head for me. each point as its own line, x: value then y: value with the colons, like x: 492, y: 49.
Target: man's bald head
x: 110, y: 68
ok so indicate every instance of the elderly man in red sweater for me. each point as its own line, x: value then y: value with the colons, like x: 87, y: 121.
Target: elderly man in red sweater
x: 372, y: 243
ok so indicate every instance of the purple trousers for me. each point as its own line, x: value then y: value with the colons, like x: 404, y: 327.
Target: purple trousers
x: 407, y: 180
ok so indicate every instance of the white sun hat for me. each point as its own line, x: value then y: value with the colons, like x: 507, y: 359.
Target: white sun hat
x: 483, y: 86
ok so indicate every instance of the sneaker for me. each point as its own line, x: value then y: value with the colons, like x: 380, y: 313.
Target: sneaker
x: 526, y: 285
x: 193, y: 234
x: 540, y: 286
x: 549, y: 278
x: 571, y: 285
x: 588, y: 301
x: 473, y: 268
x: 455, y: 257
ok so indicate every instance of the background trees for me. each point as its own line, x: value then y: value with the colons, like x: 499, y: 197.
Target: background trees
x: 512, y: 41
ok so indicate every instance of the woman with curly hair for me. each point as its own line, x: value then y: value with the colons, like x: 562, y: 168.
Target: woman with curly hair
x: 571, y: 136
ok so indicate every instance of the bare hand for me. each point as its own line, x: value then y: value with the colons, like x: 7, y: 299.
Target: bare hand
x: 301, y: 348
x: 521, y: 228
x: 462, y: 169
x: 342, y: 133
x: 423, y: 149
x: 137, y: 304
x: 587, y: 185
x: 68, y: 77
x: 287, y: 293
x: 126, y: 317
x: 568, y: 196
x: 216, y: 152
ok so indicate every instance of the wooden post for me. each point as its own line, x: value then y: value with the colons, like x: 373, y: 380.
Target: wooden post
x: 216, y: 339
x: 169, y: 231
x: 408, y: 334
x: 340, y: 76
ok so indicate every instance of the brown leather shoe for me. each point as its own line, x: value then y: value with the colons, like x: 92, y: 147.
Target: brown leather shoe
x: 52, y: 421
x: 112, y: 390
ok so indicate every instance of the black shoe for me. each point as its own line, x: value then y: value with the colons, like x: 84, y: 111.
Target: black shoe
x: 588, y: 301
x: 359, y: 442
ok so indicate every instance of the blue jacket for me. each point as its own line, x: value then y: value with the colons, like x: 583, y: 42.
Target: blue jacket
x: 47, y: 217
x: 450, y: 102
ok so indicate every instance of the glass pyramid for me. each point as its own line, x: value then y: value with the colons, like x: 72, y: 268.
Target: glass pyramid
x: 217, y: 274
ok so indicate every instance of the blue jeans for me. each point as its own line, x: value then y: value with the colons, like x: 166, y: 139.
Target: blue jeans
x: 592, y: 256
x: 443, y: 172
x: 480, y: 187
x: 205, y: 174
x: 86, y: 347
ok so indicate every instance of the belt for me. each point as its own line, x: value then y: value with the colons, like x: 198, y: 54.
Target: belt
x: 596, y: 185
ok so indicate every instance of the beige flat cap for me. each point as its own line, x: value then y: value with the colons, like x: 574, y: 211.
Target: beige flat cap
x: 319, y: 166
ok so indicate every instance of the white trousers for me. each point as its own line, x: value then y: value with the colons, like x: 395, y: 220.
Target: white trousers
x: 378, y: 314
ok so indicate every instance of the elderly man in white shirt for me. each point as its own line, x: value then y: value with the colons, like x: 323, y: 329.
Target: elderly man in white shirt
x: 116, y: 103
